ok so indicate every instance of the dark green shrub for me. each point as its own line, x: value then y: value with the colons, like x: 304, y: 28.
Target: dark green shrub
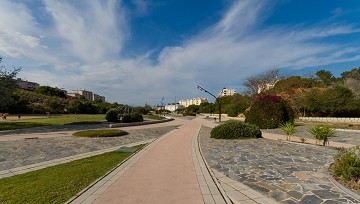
x: 233, y: 129
x: 136, y: 117
x: 131, y: 118
x: 347, y: 164
x: 269, y: 111
x: 112, y: 116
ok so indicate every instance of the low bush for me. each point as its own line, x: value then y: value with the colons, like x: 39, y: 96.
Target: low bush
x: 347, y: 165
x: 269, y: 111
x: 131, y: 118
x: 233, y: 129
x: 112, y: 115
x: 100, y: 133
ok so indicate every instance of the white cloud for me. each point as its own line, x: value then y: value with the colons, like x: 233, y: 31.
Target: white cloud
x: 87, y: 37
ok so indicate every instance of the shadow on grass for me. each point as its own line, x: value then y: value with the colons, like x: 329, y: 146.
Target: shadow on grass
x: 20, y: 125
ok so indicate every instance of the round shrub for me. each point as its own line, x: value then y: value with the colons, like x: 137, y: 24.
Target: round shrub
x: 269, y: 111
x: 233, y: 129
x: 100, y: 133
x: 112, y: 116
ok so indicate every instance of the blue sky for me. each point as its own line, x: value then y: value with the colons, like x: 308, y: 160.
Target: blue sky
x: 137, y: 51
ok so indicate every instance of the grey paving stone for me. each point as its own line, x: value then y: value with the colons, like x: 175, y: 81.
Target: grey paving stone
x: 19, y: 153
x: 326, y: 194
x: 291, y: 171
x: 310, y: 199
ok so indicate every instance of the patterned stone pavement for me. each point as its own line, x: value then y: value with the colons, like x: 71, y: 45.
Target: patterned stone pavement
x: 351, y: 137
x: 25, y: 152
x: 287, y: 172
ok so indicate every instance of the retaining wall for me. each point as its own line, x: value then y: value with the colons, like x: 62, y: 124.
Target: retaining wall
x: 329, y: 119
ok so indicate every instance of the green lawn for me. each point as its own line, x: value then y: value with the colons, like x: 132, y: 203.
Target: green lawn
x: 153, y: 117
x: 59, y: 183
x: 101, y: 133
x: 54, y: 120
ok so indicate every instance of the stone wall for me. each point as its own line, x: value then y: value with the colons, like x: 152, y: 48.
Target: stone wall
x: 328, y: 119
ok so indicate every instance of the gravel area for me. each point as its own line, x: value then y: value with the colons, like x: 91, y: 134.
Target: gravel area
x: 287, y: 172
x: 25, y: 152
x: 351, y: 137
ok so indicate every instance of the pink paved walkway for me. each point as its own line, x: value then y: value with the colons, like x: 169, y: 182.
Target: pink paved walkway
x: 165, y: 174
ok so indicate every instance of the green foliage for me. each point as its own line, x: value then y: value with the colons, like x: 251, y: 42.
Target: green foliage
x: 354, y: 74
x: 206, y: 107
x: 233, y: 129
x: 325, y: 77
x: 131, y: 118
x: 50, y: 91
x: 234, y: 105
x: 112, y: 115
x: 288, y: 128
x: 154, y: 117
x: 100, y: 133
x: 347, y: 164
x: 337, y: 101
x: 289, y: 84
x: 59, y: 183
x: 322, y: 133
x: 269, y: 111
x: 32, y: 102
x: 7, y: 86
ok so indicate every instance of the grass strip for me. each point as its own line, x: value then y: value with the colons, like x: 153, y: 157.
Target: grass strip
x: 59, y: 183
x: 54, y: 120
x: 101, y: 133
x: 153, y: 117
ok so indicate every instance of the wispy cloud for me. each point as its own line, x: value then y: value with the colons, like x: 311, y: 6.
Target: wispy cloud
x: 82, y: 48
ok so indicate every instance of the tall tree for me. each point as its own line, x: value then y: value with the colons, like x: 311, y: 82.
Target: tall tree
x: 325, y: 77
x: 253, y: 84
x: 352, y: 81
x: 7, y: 85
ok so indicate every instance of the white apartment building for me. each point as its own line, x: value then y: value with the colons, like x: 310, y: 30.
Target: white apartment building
x: 194, y: 101
x: 267, y: 86
x: 27, y: 85
x: 98, y: 97
x: 173, y: 106
x: 88, y: 95
x: 227, y: 92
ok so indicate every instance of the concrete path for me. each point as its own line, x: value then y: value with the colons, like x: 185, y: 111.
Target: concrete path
x: 165, y: 174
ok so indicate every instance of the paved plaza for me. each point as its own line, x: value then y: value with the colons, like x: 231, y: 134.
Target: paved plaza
x: 287, y: 172
x: 182, y: 164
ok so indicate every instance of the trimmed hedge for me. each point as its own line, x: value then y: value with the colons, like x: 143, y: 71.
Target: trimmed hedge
x: 100, y: 133
x: 269, y: 111
x: 233, y: 129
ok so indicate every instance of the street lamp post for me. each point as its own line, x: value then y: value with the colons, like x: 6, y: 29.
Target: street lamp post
x: 217, y: 99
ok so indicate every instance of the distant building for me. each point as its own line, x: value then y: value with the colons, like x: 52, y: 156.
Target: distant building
x: 88, y: 95
x: 73, y: 94
x: 227, y: 92
x: 173, y: 106
x: 27, y: 85
x: 194, y: 101
x: 266, y: 86
x: 98, y: 97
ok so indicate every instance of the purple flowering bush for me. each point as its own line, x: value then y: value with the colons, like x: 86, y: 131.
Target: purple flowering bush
x: 269, y: 111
